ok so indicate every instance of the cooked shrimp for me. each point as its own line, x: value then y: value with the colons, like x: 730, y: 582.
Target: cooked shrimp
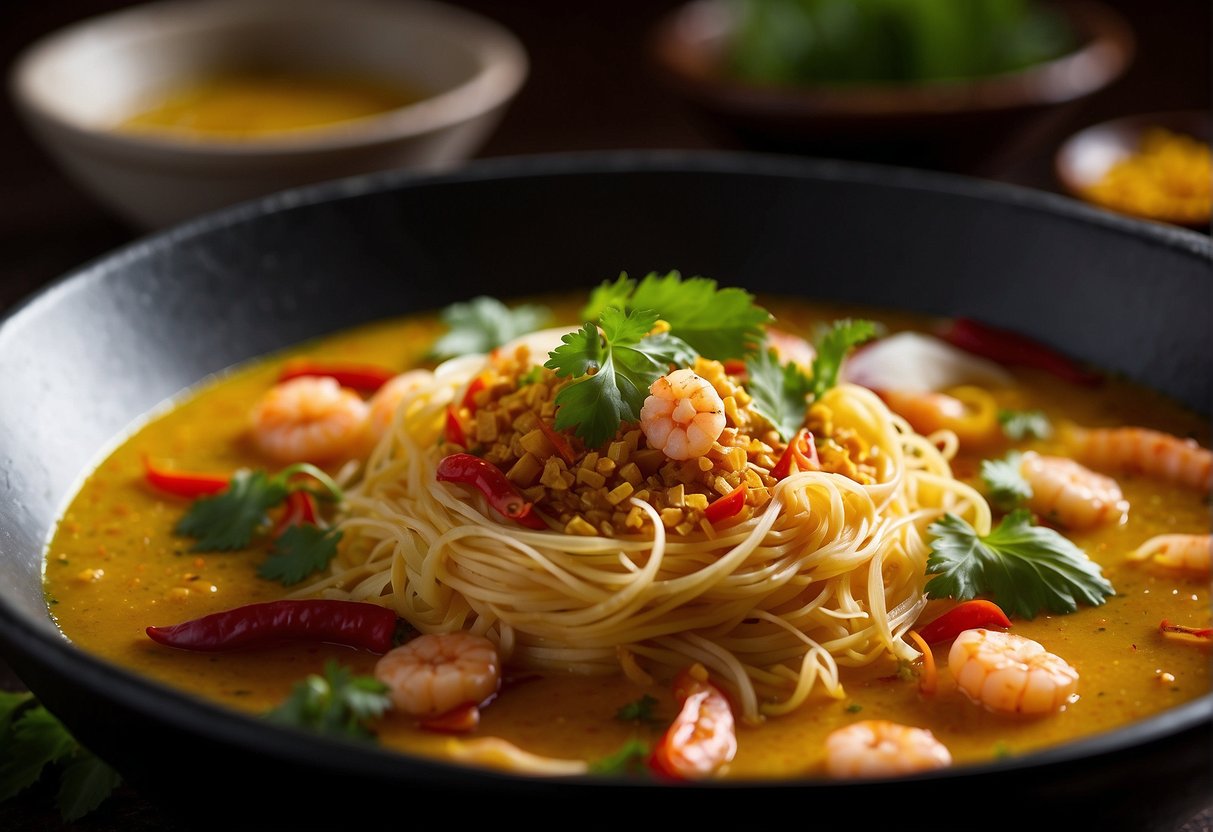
x: 388, y: 397
x: 1069, y: 494
x: 683, y: 416
x: 1010, y: 674
x: 1144, y: 451
x: 878, y: 748
x: 1188, y: 552
x: 434, y: 673
x: 309, y: 419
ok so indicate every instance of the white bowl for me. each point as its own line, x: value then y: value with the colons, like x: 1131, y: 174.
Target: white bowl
x: 74, y: 87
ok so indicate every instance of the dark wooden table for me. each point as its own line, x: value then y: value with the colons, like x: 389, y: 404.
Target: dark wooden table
x: 591, y: 88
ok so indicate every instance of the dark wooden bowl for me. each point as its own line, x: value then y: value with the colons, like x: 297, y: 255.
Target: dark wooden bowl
x: 1086, y: 156
x: 943, y: 124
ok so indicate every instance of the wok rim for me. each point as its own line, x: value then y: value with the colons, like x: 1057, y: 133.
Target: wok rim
x: 26, y: 645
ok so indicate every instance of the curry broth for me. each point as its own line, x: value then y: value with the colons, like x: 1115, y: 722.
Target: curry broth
x: 114, y: 567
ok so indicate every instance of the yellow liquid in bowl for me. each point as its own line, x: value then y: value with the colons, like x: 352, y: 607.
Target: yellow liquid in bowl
x: 253, y: 105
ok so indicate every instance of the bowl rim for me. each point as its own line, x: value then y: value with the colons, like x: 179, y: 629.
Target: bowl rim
x: 1104, y: 55
x: 504, y: 68
x: 32, y: 643
x: 1129, y: 125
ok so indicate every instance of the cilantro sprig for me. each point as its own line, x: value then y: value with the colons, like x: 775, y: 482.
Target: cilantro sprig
x: 1025, y: 568
x: 717, y: 323
x: 337, y: 704
x: 1005, y: 483
x: 640, y: 710
x: 484, y: 323
x: 781, y: 392
x: 1018, y: 425
x: 34, y: 740
x: 235, y: 517
x: 631, y: 758
x: 613, y: 370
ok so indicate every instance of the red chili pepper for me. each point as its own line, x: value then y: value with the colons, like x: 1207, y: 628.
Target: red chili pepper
x: 561, y: 444
x: 184, y: 483
x: 1200, y: 632
x: 469, y: 398
x: 462, y: 719
x: 729, y: 505
x: 502, y: 494
x: 1013, y: 349
x: 300, y: 510
x: 703, y: 736
x: 802, y: 450
x: 735, y: 367
x: 454, y: 430
x: 350, y: 623
x: 966, y: 616
x: 358, y: 376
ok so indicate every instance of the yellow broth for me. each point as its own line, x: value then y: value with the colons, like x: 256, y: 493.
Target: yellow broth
x: 114, y: 567
x: 252, y: 105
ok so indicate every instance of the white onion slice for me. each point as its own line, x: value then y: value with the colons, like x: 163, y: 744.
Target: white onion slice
x: 918, y: 363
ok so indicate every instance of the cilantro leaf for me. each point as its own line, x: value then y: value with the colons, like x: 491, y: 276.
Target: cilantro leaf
x: 780, y: 393
x: 11, y: 705
x: 1018, y: 425
x: 639, y: 711
x: 484, y: 323
x: 336, y: 704
x: 609, y: 294
x: 38, y: 739
x: 832, y: 348
x: 86, y: 782
x: 717, y: 323
x: 229, y: 519
x: 298, y: 552
x: 624, y: 362
x: 1005, y: 484
x: 631, y: 758
x: 1025, y: 568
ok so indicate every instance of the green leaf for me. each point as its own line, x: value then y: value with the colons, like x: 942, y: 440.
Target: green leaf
x: 11, y: 705
x: 832, y: 348
x: 1005, y: 485
x: 485, y: 323
x: 717, y: 323
x: 609, y: 294
x: 624, y: 362
x: 639, y: 711
x: 631, y: 758
x: 38, y: 739
x: 1024, y: 568
x: 1018, y: 425
x: 298, y: 552
x: 228, y: 520
x: 780, y: 392
x: 336, y: 704
x: 86, y: 782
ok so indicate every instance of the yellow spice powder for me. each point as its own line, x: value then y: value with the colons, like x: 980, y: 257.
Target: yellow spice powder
x: 1169, y: 178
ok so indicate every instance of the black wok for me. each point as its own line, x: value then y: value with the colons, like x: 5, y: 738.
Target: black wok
x: 83, y: 359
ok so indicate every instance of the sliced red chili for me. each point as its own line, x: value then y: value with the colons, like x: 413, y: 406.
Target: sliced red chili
x: 702, y: 738
x: 966, y: 616
x: 801, y: 451
x: 730, y: 505
x: 299, y: 510
x: 453, y: 432
x: 462, y: 719
x: 191, y: 484
x: 559, y: 442
x: 487, y: 478
x: 364, y: 377
x: 1200, y: 632
x: 1013, y: 349
x: 349, y: 623
x: 469, y: 398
